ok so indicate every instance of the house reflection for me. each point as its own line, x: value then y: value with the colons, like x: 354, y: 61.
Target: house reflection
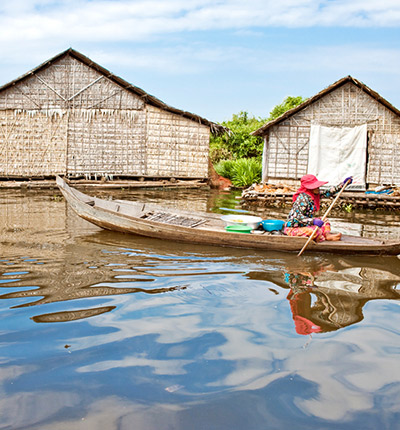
x: 52, y: 294
x: 78, y: 271
x: 64, y: 316
x: 328, y: 295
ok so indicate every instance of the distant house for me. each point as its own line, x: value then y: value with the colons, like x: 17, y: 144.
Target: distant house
x: 346, y: 129
x: 71, y: 116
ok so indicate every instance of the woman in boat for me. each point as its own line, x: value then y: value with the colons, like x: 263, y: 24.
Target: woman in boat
x: 306, y: 202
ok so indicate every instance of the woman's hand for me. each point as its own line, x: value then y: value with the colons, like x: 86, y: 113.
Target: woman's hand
x: 347, y: 181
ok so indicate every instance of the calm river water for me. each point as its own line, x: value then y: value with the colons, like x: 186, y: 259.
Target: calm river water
x: 105, y: 331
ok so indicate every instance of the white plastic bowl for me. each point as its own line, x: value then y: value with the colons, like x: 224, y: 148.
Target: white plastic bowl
x: 251, y: 221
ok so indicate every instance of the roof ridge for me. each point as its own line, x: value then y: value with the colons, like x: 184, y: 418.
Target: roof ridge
x: 260, y: 131
x: 148, y: 98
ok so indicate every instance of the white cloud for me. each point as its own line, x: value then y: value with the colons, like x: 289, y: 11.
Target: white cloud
x: 225, y: 44
x: 138, y: 20
x: 41, y: 27
x: 342, y: 59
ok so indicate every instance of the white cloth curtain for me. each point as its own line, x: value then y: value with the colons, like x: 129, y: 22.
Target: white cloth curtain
x: 338, y: 152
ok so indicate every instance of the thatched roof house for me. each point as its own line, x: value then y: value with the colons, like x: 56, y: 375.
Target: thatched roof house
x: 71, y: 116
x: 346, y: 129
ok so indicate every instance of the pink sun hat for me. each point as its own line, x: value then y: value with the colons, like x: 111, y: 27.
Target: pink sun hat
x: 311, y: 182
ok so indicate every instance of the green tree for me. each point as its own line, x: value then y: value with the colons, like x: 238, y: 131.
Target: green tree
x: 287, y: 104
x: 238, y: 143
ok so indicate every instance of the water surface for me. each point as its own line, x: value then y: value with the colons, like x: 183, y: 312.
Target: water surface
x: 109, y: 331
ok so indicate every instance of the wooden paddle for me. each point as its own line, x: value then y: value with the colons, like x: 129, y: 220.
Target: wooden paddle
x: 324, y: 217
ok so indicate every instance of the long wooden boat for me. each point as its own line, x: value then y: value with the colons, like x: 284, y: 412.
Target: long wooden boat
x: 146, y: 219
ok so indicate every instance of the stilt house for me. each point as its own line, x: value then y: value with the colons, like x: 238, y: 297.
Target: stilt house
x: 71, y: 116
x: 346, y: 129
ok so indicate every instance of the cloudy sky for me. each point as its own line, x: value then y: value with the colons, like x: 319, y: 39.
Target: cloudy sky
x: 213, y: 57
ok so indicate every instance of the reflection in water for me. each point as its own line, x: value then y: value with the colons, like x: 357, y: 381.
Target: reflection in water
x: 328, y: 295
x: 71, y: 315
x: 165, y: 335
x: 72, y: 290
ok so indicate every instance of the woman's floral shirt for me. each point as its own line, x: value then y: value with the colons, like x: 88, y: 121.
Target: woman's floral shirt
x: 303, y: 209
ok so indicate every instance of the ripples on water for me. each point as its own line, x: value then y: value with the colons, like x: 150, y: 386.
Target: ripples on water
x: 108, y: 331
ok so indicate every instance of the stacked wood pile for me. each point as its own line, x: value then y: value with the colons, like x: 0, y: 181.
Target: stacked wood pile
x: 272, y: 189
x: 264, y: 195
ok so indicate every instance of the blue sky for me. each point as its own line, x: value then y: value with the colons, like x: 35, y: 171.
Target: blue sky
x: 213, y: 57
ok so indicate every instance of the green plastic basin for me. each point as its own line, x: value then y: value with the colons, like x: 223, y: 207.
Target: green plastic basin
x: 238, y: 228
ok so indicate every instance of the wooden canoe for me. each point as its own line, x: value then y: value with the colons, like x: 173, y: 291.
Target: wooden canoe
x: 146, y: 219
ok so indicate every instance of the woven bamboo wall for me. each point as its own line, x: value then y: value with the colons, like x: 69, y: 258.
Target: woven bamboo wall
x: 69, y: 118
x: 176, y: 144
x: 347, y: 106
x: 32, y: 143
x: 106, y: 142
